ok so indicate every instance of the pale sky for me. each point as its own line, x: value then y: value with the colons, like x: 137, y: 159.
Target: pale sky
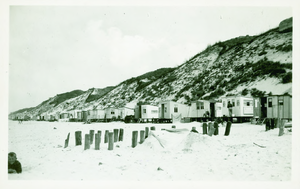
x: 57, y: 49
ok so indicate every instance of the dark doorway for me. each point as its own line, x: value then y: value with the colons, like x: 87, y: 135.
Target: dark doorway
x: 263, y: 110
x: 163, y: 111
x: 212, y: 110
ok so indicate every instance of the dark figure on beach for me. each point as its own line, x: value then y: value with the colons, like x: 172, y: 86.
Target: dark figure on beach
x: 229, y: 106
x: 14, y: 166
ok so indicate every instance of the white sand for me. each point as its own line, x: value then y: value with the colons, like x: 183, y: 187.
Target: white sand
x: 185, y: 156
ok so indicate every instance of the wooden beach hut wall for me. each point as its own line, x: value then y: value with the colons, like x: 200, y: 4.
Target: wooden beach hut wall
x: 149, y: 112
x: 125, y: 111
x: 64, y: 115
x: 52, y: 117
x: 111, y: 113
x: 199, y: 108
x: 79, y: 115
x: 260, y: 107
x: 170, y: 109
x: 92, y: 114
x: 218, y: 109
x: 242, y: 106
x: 100, y: 114
x: 137, y: 112
x: 279, y: 106
x: 84, y: 115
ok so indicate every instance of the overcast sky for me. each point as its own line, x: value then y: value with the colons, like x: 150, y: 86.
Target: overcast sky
x: 53, y: 50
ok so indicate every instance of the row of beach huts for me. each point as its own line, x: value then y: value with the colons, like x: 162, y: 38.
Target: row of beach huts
x: 243, y: 109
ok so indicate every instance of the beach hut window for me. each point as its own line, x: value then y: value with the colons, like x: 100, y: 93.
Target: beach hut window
x: 112, y: 112
x: 224, y: 103
x: 247, y: 103
x: 198, y: 105
x: 202, y: 105
x: 238, y: 102
x: 175, y: 109
x: 165, y: 109
x: 233, y: 102
x: 280, y: 100
x: 144, y: 110
x: 269, y: 102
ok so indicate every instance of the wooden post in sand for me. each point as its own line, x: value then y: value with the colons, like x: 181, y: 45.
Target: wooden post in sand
x: 152, y: 128
x: 211, y: 131
x: 67, y: 140
x: 204, y: 128
x: 194, y: 130
x: 134, y: 138
x: 92, y: 136
x: 97, y: 141
x: 100, y: 133
x: 110, y: 141
x: 78, y: 138
x: 173, y: 126
x: 121, y: 135
x: 275, y: 122
x: 116, y: 135
x: 146, y: 132
x: 210, y: 126
x: 87, y: 142
x: 216, y: 126
x: 281, y: 127
x: 106, y: 136
x: 142, y: 136
x: 227, y: 130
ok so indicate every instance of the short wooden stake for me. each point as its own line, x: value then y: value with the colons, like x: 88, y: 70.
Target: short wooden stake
x: 216, y: 126
x: 106, y: 136
x: 210, y: 126
x: 227, y: 130
x: 194, y: 130
x: 92, y: 136
x: 152, y: 128
x: 134, y: 138
x: 78, y: 138
x: 281, y: 127
x: 116, y: 135
x: 87, y: 142
x: 100, y: 133
x: 142, y: 136
x: 211, y: 131
x: 110, y: 141
x: 173, y: 126
x: 146, y: 132
x: 97, y: 141
x: 204, y: 128
x: 121, y: 135
x: 67, y: 140
x: 275, y: 122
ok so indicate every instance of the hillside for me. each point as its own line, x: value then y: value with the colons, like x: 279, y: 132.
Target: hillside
x: 248, y: 65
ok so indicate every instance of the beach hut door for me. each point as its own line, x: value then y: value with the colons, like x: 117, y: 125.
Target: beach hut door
x: 163, y: 110
x: 212, y: 109
x: 263, y: 102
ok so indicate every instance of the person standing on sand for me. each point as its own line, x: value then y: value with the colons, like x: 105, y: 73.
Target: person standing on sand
x: 229, y: 106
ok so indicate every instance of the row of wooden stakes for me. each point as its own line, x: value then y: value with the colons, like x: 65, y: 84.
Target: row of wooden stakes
x: 118, y: 134
x: 109, y: 137
x: 212, y: 128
